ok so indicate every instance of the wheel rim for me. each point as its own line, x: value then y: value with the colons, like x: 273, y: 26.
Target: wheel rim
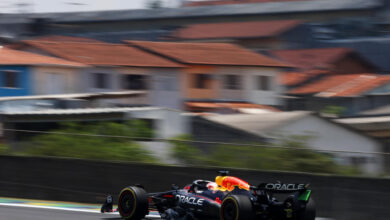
x: 126, y: 204
x: 229, y: 210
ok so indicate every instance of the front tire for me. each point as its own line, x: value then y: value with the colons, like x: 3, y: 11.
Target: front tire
x: 133, y: 203
x: 237, y: 207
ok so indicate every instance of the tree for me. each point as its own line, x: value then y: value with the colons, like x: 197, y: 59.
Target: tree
x: 154, y: 4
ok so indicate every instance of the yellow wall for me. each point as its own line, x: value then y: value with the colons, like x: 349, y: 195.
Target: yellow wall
x: 188, y: 81
x: 216, y: 91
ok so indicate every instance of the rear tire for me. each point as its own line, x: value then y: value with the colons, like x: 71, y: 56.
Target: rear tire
x: 309, y: 212
x: 237, y: 207
x: 133, y: 203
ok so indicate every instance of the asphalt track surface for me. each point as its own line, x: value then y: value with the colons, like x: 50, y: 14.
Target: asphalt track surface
x: 15, y: 211
x: 23, y: 213
x: 20, y: 209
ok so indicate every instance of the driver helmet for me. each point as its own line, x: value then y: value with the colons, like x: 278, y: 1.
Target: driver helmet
x: 212, y: 186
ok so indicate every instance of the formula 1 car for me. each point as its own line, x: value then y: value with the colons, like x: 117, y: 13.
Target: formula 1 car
x: 228, y: 198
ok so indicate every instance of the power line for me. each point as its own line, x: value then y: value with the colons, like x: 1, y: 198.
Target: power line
x: 215, y: 143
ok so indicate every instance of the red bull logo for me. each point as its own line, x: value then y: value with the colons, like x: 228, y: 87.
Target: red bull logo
x: 229, y: 183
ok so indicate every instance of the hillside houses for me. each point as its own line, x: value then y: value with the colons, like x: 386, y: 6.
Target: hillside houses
x: 221, y: 72
x: 212, y: 58
x: 147, y: 24
x: 189, y: 75
x: 351, y: 93
x: 324, y: 78
x: 114, y: 67
x: 170, y: 73
x: 276, y: 34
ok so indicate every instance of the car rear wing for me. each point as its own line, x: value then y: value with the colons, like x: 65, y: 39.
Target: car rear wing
x: 283, y: 187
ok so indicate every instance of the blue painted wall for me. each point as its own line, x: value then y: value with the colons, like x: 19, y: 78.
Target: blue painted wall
x: 24, y: 80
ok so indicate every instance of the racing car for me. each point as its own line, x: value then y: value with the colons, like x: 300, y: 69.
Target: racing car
x: 228, y: 198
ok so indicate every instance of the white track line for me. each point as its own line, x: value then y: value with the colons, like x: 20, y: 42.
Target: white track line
x: 64, y: 209
x: 48, y: 207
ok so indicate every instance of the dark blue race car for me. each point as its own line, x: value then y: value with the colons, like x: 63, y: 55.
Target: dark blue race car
x: 228, y: 198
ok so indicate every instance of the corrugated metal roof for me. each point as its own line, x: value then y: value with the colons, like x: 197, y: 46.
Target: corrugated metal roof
x: 364, y: 120
x: 82, y: 111
x: 74, y: 96
x: 384, y: 110
x: 221, y: 10
x: 258, y: 124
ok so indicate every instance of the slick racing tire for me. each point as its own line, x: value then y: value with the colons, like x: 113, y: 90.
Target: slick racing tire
x: 309, y: 212
x: 237, y: 207
x: 133, y: 203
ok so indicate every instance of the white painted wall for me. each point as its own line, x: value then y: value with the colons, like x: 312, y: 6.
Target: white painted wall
x: 162, y: 84
x: 164, y: 90
x: 168, y: 122
x: 160, y: 150
x: 270, y: 97
x: 88, y: 79
x: 55, y: 80
x: 328, y: 136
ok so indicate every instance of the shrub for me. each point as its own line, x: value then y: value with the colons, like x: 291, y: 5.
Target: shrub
x: 90, y: 147
x: 186, y: 153
x: 301, y: 159
x: 3, y: 149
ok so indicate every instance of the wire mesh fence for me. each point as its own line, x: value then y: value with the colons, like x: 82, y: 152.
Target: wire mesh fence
x: 289, y: 155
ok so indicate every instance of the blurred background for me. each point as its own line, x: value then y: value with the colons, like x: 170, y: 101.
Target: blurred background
x: 290, y: 90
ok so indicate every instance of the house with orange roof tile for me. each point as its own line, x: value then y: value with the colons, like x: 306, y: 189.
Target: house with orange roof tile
x: 220, y: 72
x: 333, y: 60
x: 24, y: 73
x: 352, y: 92
x: 274, y: 34
x: 116, y: 67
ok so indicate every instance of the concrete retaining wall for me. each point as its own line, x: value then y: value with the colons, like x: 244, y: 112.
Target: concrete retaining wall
x: 341, y: 198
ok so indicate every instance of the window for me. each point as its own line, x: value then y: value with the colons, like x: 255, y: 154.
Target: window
x: 101, y: 81
x: 264, y: 83
x: 201, y: 81
x: 134, y: 82
x: 232, y: 82
x: 10, y: 79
